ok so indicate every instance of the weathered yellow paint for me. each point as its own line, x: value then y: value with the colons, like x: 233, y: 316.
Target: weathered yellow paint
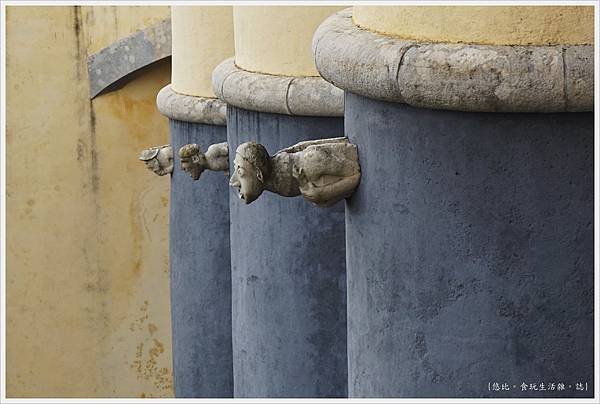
x: 87, y: 224
x: 202, y: 38
x: 277, y: 39
x: 134, y: 238
x: 107, y: 24
x: 52, y: 320
x: 494, y: 25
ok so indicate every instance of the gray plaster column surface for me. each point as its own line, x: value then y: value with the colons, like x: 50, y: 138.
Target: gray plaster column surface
x: 199, y: 254
x: 470, y: 239
x: 287, y: 256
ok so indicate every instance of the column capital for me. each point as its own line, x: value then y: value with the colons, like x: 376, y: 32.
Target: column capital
x: 189, y: 108
x: 462, y: 77
x: 308, y: 96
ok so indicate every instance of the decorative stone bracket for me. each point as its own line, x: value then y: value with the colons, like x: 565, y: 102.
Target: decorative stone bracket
x: 323, y: 171
x: 158, y: 159
x: 194, y: 162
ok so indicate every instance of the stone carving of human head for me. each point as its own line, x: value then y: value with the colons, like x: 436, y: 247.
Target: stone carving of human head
x: 158, y: 159
x: 251, y: 167
x: 192, y: 160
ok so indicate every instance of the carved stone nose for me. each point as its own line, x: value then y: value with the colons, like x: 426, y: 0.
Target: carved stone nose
x: 234, y: 182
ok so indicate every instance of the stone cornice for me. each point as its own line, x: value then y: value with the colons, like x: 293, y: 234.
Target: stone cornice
x: 459, y: 77
x: 188, y: 108
x: 309, y: 96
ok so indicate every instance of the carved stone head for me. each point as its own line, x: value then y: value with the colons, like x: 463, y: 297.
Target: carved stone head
x: 158, y: 159
x: 192, y: 160
x: 251, y: 166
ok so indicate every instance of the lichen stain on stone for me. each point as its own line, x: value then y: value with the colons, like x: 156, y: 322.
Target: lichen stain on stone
x: 137, y: 362
x: 81, y: 150
x: 79, y: 44
x: 139, y: 323
x: 28, y: 210
x: 136, y: 235
x: 137, y: 266
x: 146, y: 366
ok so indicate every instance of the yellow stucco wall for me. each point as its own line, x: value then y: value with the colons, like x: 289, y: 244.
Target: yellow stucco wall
x: 277, y: 39
x: 107, y: 24
x: 499, y: 25
x: 202, y: 38
x: 87, y: 224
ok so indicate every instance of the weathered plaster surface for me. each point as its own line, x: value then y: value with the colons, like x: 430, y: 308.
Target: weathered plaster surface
x: 105, y: 25
x: 87, y: 250
x: 288, y: 300
x: 200, y: 272
x: 470, y: 254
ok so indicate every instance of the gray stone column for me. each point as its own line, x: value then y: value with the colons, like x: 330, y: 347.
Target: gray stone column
x: 287, y: 256
x: 470, y: 240
x: 199, y: 254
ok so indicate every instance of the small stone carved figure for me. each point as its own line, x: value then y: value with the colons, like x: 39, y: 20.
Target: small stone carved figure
x: 323, y: 171
x: 158, y: 159
x: 194, y: 162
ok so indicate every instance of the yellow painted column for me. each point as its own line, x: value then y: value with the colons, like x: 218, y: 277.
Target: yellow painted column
x: 277, y: 40
x: 492, y: 25
x: 202, y: 37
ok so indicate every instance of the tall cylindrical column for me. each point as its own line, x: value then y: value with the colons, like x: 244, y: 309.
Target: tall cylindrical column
x: 199, y: 217
x: 287, y: 256
x: 470, y: 245
x: 288, y: 276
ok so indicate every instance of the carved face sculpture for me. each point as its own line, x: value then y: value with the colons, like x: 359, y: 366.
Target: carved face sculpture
x: 191, y: 160
x: 164, y: 160
x: 158, y: 159
x: 249, y: 167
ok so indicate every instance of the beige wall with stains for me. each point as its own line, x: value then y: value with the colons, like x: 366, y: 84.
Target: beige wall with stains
x: 107, y: 24
x: 87, y: 225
